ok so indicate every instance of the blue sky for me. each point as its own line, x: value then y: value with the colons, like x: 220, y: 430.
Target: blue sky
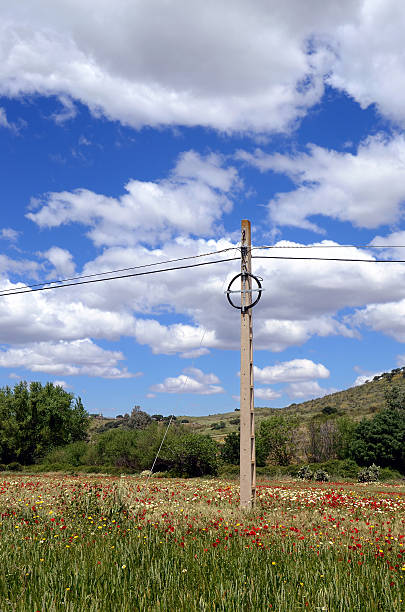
x: 135, y: 132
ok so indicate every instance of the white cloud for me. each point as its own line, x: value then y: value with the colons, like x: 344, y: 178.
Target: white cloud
x: 246, y: 67
x: 189, y: 201
x: 307, y: 390
x: 388, y: 318
x: 62, y: 261
x: 15, y: 266
x: 61, y: 383
x: 254, y: 66
x: 369, y: 63
x: 79, y: 357
x: 266, y: 394
x: 295, y: 370
x: 390, y: 242
x: 9, y: 234
x: 305, y: 300
x: 192, y: 380
x: 366, y: 189
x: 4, y: 122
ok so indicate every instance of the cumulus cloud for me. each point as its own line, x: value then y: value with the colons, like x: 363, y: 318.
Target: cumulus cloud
x: 366, y: 189
x: 192, y: 380
x: 79, y: 357
x: 296, y: 370
x: 266, y: 394
x: 307, y: 390
x: 255, y: 67
x: 388, y: 318
x: 62, y: 261
x: 306, y: 300
x: 369, y: 63
x: 189, y: 201
x: 9, y: 233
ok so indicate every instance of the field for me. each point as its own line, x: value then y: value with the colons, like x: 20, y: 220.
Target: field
x: 105, y: 543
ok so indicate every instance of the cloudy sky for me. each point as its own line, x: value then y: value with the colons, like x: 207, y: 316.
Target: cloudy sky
x: 135, y: 132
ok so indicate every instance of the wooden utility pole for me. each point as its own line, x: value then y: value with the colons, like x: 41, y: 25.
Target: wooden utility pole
x: 247, y: 416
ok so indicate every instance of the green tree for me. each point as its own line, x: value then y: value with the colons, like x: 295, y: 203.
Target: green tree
x: 380, y: 440
x: 395, y: 398
x: 191, y: 455
x: 35, y: 419
x: 138, y: 419
x: 230, y: 450
x: 276, y: 440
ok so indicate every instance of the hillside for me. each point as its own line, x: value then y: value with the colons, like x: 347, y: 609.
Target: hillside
x: 356, y: 402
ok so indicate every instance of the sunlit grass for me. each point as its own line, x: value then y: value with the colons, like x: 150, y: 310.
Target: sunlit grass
x: 104, y: 543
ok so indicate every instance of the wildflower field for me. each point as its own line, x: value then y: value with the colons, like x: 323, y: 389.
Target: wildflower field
x: 108, y: 543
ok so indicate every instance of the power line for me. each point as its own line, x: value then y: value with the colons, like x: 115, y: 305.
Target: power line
x: 158, y: 263
x: 344, y: 259
x: 330, y: 246
x: 109, y: 278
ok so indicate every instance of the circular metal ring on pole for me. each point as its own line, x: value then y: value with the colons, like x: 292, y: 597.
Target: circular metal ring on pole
x: 259, y: 289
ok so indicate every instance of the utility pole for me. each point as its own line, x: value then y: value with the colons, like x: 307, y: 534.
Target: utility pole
x: 247, y: 416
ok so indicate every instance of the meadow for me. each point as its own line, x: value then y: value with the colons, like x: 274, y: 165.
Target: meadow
x: 101, y: 543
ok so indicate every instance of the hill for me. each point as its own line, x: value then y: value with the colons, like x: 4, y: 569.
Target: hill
x: 356, y: 402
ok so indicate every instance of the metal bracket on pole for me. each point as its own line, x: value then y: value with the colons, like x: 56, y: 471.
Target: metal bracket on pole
x: 244, y: 276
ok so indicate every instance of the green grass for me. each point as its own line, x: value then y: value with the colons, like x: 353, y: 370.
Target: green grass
x: 185, y: 545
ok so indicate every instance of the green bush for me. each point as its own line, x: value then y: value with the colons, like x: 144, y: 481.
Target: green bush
x: 230, y: 450
x: 369, y: 474
x: 192, y: 455
x: 229, y: 469
x: 305, y: 473
x: 14, y: 466
x: 321, y: 476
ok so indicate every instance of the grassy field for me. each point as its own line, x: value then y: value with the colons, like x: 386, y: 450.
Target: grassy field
x: 104, y: 543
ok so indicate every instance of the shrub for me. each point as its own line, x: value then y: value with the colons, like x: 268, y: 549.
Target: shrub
x: 305, y: 473
x: 14, y: 466
x: 230, y: 450
x: 321, y: 476
x: 369, y: 474
x: 191, y: 455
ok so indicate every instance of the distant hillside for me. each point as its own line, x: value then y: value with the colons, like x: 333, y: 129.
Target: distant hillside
x: 356, y: 403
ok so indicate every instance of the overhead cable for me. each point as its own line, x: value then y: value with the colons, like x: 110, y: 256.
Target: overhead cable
x: 345, y: 259
x: 158, y: 263
x: 18, y: 291
x: 329, y: 246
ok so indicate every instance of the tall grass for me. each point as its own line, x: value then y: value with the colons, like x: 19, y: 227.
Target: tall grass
x: 110, y: 544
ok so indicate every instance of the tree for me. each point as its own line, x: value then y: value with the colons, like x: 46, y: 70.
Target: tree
x: 138, y: 419
x: 323, y: 438
x: 395, y: 398
x: 192, y: 455
x: 230, y: 450
x: 35, y: 419
x: 380, y: 440
x: 275, y: 440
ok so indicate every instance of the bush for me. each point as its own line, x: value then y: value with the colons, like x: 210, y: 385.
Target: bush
x: 380, y: 440
x: 388, y: 474
x: 229, y: 469
x: 230, y: 450
x: 14, y: 466
x: 369, y: 474
x: 321, y: 476
x: 305, y: 473
x: 192, y: 455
